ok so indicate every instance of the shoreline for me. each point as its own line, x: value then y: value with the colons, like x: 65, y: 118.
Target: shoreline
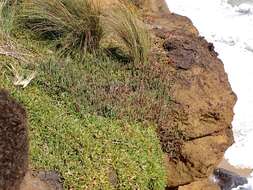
x: 244, y: 172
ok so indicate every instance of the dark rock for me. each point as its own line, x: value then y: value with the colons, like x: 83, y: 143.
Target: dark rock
x: 228, y: 180
x: 13, y: 142
x: 169, y: 46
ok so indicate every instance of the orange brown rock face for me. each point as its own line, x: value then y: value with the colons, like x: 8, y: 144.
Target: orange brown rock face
x: 202, y: 99
x: 156, y: 6
x: 200, y: 185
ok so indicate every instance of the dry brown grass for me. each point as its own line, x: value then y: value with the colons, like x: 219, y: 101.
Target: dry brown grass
x: 74, y: 25
x: 129, y: 31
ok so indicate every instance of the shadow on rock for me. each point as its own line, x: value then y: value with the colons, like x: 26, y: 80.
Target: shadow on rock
x: 228, y: 180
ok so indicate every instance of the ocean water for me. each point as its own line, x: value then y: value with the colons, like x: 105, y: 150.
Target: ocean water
x: 229, y: 25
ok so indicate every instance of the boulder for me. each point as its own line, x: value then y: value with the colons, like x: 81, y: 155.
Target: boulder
x: 228, y: 180
x: 204, y: 110
x: 42, y: 180
x: 202, y: 100
x: 158, y: 7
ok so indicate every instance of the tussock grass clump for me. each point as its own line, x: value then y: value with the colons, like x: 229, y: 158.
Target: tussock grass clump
x: 1, y: 22
x: 130, y: 32
x: 2, y: 4
x: 73, y: 25
x: 8, y: 44
x: 7, y: 13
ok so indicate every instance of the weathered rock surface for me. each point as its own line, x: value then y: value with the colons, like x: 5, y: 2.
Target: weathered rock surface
x: 200, y: 185
x: 31, y: 182
x: 203, y: 101
x: 155, y: 6
x: 41, y: 181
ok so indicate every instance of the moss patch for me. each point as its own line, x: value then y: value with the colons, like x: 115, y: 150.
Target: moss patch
x: 100, y: 86
x: 92, y: 152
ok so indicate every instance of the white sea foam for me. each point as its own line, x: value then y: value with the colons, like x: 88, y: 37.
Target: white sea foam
x: 230, y: 27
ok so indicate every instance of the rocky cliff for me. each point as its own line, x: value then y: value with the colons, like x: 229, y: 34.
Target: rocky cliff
x: 194, y: 122
x: 202, y: 108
